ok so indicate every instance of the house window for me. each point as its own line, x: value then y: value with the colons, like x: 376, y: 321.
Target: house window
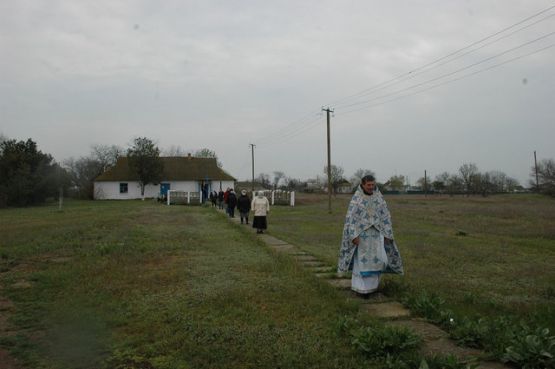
x: 123, y: 188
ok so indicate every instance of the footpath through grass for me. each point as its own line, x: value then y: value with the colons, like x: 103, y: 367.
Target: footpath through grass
x: 486, y: 263
x: 135, y: 284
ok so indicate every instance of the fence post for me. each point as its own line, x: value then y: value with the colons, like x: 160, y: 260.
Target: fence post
x: 188, y: 197
x: 168, y: 193
x: 292, y: 198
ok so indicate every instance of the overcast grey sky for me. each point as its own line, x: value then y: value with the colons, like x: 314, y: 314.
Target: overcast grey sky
x: 223, y: 74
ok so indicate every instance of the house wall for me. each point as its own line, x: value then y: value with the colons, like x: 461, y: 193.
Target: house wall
x: 110, y: 190
x: 225, y: 185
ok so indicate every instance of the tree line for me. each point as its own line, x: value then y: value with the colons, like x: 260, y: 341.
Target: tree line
x: 467, y: 180
x: 29, y: 177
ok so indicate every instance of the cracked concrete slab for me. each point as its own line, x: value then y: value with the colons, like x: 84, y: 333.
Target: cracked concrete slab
x: 283, y: 248
x: 387, y: 310
x: 447, y: 346
x: 312, y: 264
x: 322, y: 269
x: 270, y: 240
x: 304, y: 258
x: 424, y: 329
x: 340, y: 283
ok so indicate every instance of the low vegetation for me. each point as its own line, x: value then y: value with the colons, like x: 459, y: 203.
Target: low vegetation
x: 141, y: 285
x: 488, y: 261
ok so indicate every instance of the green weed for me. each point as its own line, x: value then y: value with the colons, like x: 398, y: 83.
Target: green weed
x: 532, y: 349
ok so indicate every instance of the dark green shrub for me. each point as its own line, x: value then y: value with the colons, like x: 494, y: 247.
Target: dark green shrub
x: 532, y: 349
x: 380, y: 341
x: 430, y: 306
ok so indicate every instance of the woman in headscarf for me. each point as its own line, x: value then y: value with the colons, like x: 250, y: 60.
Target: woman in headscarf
x: 244, y: 206
x: 368, y: 247
x: 260, y: 206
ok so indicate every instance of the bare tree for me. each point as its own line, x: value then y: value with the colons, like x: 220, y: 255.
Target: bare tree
x: 469, y: 175
x: 396, y: 183
x: 336, y: 176
x: 296, y: 184
x: 175, y: 150
x: 264, y: 180
x: 546, y: 176
x: 84, y: 170
x: 278, y: 176
x: 440, y: 182
x: 207, y: 153
x: 359, y: 174
x: 106, y: 155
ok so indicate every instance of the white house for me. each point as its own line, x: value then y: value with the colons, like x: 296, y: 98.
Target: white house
x: 180, y: 173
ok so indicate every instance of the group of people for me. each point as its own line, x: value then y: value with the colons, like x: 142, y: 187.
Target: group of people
x: 368, y: 248
x: 229, y: 200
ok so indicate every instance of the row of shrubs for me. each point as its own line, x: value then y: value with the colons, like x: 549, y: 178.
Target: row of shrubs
x: 504, y: 338
x: 394, y: 347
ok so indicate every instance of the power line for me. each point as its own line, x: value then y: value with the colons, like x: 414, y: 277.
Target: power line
x: 452, y: 80
x: 443, y: 57
x: 303, y: 124
x: 292, y: 134
x: 367, y: 104
x: 414, y: 74
x: 293, y: 124
x: 450, y: 73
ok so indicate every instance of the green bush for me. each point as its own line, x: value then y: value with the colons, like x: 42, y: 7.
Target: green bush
x: 532, y: 350
x: 430, y: 306
x: 380, y: 341
x: 414, y: 360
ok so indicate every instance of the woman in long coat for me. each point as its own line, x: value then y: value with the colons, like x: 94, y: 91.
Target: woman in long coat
x: 260, y: 206
x: 244, y: 206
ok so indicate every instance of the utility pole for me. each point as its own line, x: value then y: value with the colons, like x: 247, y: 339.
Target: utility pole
x: 425, y: 184
x: 536, y: 166
x: 328, y: 111
x: 252, y: 155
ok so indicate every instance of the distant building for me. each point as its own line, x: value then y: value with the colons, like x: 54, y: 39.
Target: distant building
x: 180, y: 173
x: 344, y: 186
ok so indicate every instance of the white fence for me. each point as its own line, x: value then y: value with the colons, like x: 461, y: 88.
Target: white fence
x: 184, y: 197
x: 279, y: 197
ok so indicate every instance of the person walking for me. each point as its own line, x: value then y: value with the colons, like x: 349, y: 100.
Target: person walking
x: 244, y: 206
x: 231, y: 203
x: 221, y: 199
x: 368, y: 247
x: 261, y: 207
x: 226, y: 195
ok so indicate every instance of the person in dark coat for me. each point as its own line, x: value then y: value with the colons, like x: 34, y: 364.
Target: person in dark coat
x: 221, y: 199
x: 213, y: 198
x: 226, y: 196
x: 231, y: 203
x: 244, y: 206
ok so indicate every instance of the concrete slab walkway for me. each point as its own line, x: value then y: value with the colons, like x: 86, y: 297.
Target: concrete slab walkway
x: 435, y: 340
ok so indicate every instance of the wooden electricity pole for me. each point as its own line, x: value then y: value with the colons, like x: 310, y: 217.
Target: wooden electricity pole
x: 536, y: 166
x: 425, y: 184
x: 252, y: 155
x: 328, y: 111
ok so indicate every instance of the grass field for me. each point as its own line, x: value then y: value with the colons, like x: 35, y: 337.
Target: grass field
x: 141, y: 285
x: 487, y: 256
